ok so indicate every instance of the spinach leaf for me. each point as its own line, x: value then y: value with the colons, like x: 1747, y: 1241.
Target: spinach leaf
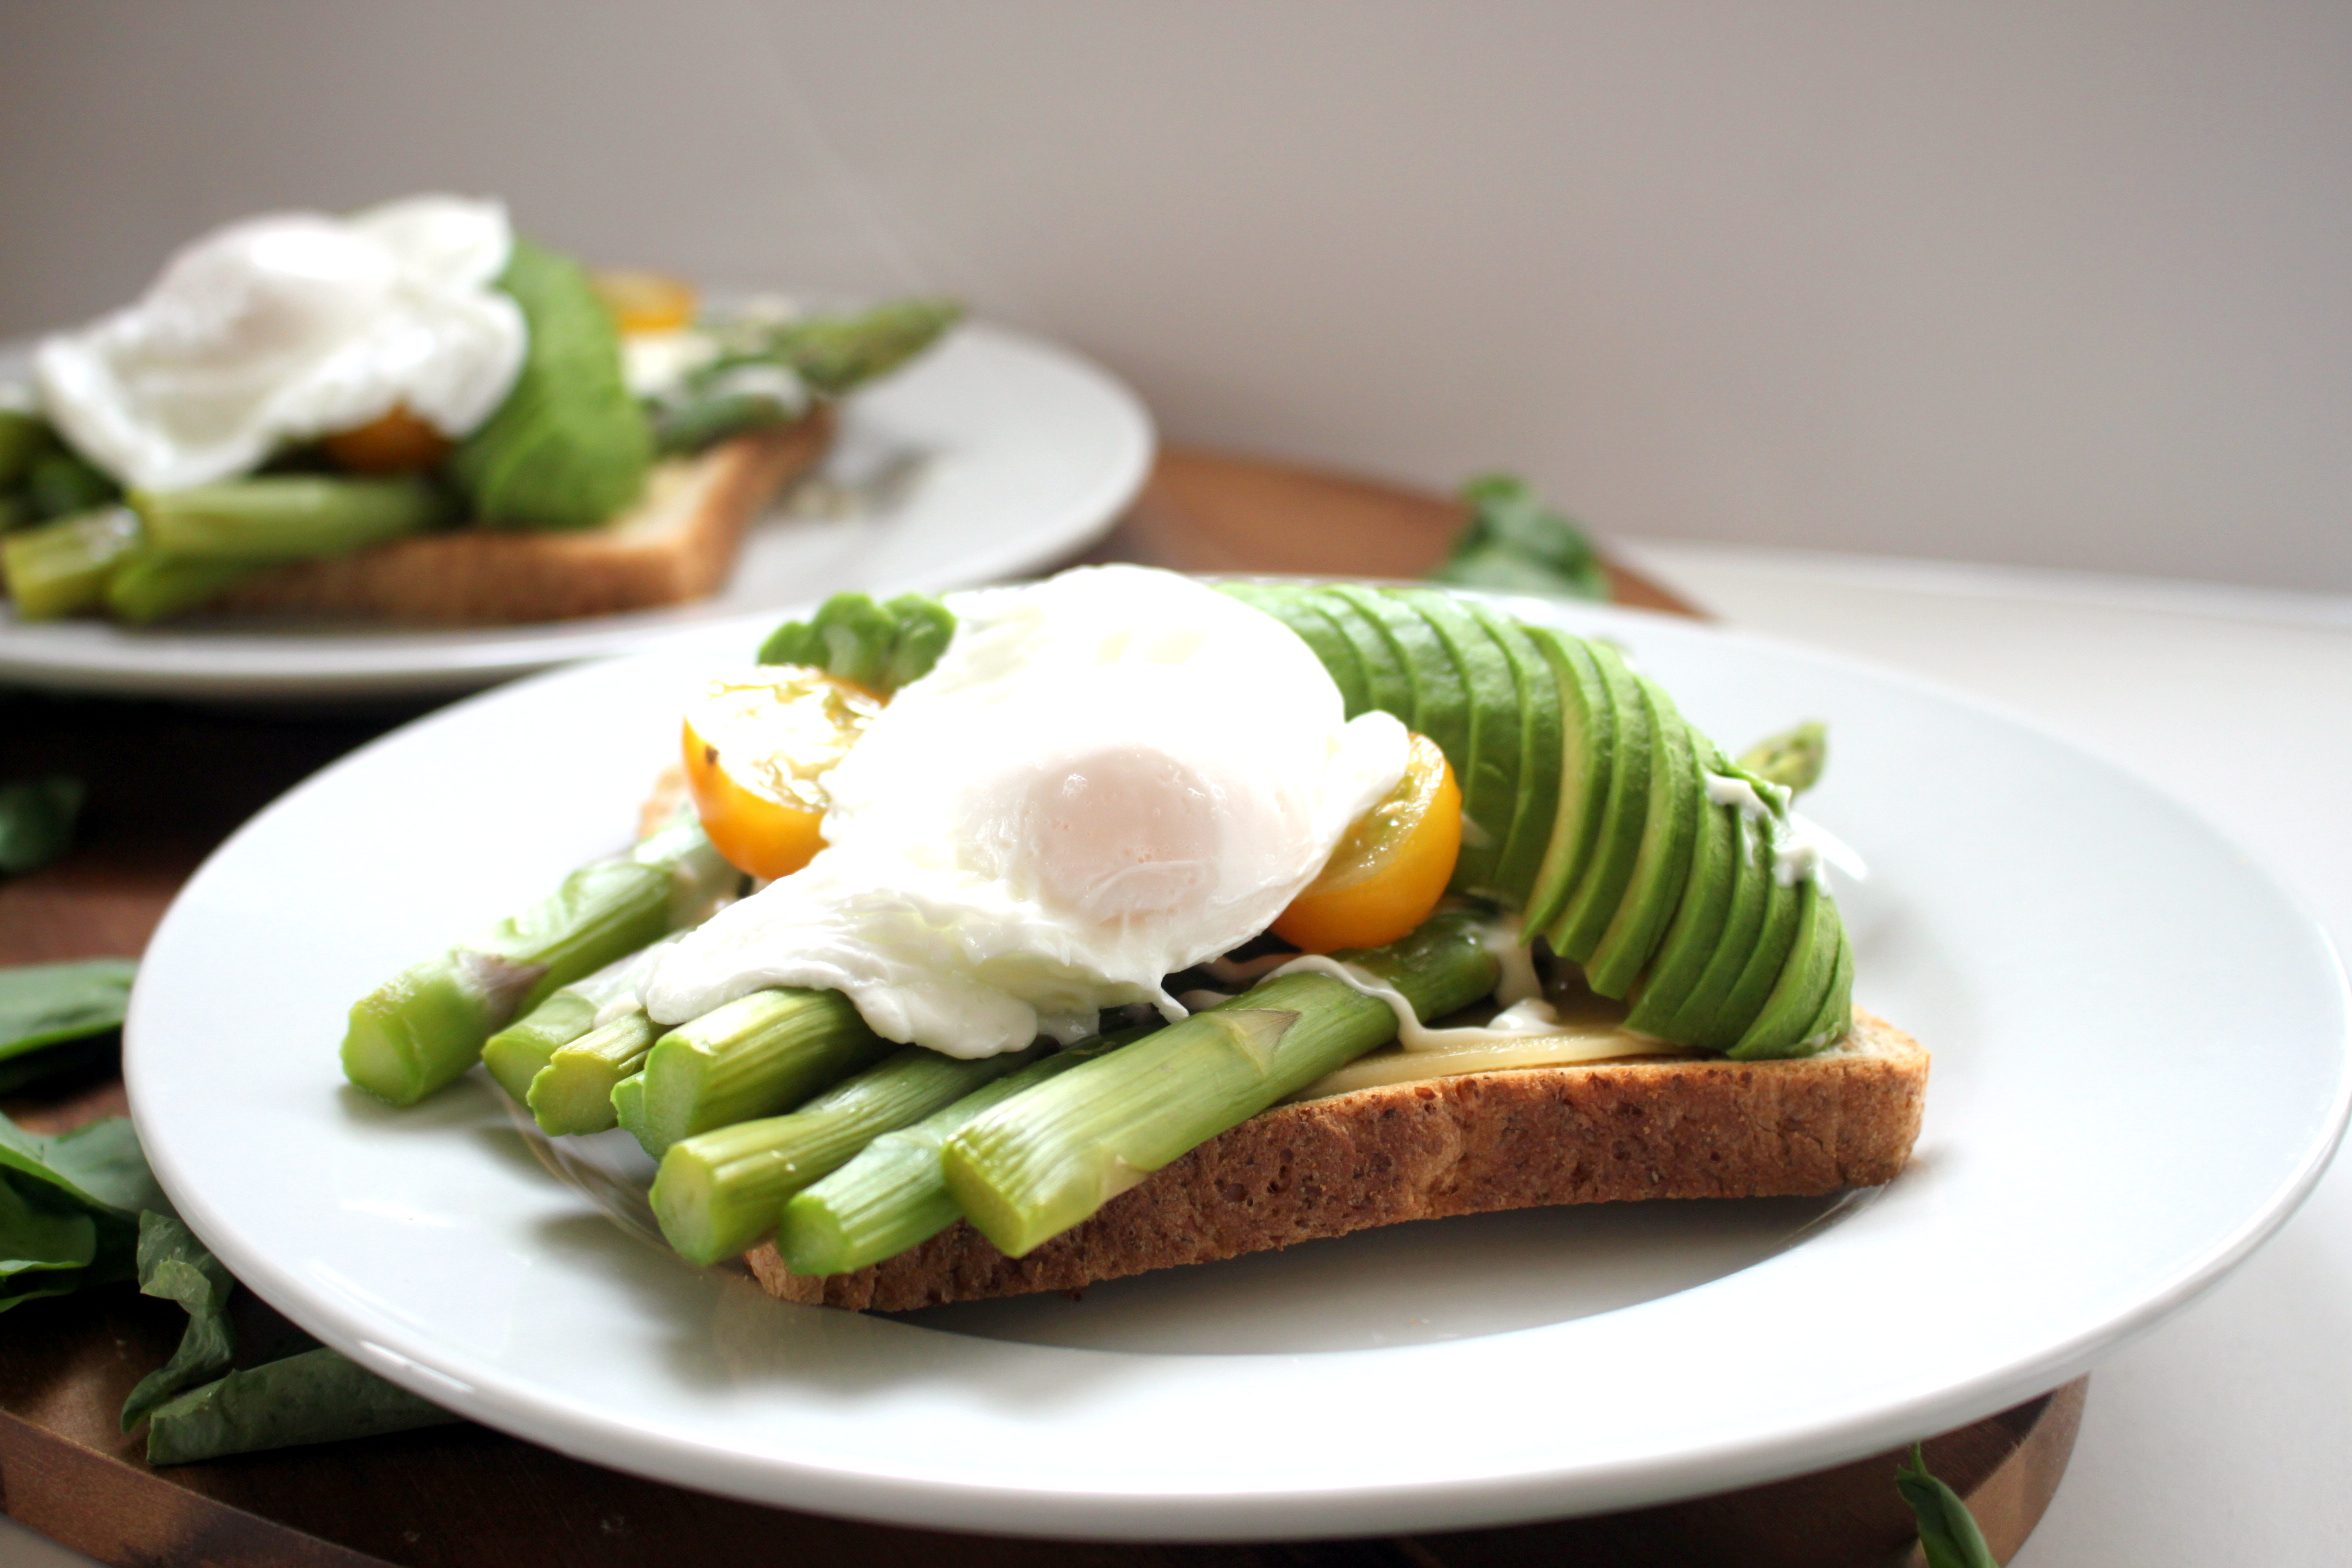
x: 95, y: 1167
x: 37, y: 822
x: 48, y: 1004
x: 1948, y: 1535
x: 175, y: 1266
x: 1514, y: 543
x: 880, y: 646
x: 319, y: 1396
x: 39, y: 1242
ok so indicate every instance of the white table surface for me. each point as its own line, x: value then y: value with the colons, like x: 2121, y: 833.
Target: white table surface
x: 2224, y: 1436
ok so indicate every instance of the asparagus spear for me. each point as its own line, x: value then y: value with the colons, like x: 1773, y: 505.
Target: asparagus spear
x: 61, y: 567
x: 148, y: 587
x: 426, y: 1025
x: 1792, y: 759
x: 1039, y: 1163
x: 573, y: 1092
x: 836, y: 354
x: 893, y: 1194
x: 720, y: 1191
x: 289, y: 517
x: 516, y: 1053
x: 753, y: 1057
x: 705, y: 419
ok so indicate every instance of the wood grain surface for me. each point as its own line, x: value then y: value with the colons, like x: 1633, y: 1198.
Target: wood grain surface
x: 168, y: 783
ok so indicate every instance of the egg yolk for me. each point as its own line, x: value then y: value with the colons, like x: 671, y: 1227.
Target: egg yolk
x: 1388, y: 873
x: 756, y: 751
x: 644, y: 302
x: 396, y: 442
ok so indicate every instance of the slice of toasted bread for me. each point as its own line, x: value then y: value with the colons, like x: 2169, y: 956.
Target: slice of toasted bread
x: 677, y: 546
x: 1594, y: 1133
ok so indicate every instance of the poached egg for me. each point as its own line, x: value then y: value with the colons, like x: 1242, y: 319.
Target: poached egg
x: 287, y: 327
x: 1109, y: 776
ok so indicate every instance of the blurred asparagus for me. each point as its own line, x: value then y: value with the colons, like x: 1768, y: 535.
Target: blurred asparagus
x: 147, y: 587
x: 1793, y: 759
x: 1041, y: 1162
x: 62, y: 567
x: 289, y: 517
x: 722, y: 1190
x: 427, y: 1024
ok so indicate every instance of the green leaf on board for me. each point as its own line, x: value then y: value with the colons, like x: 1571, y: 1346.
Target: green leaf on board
x: 48, y: 1004
x: 1948, y: 1535
x: 175, y: 1266
x: 319, y: 1396
x: 1514, y: 543
x: 37, y: 821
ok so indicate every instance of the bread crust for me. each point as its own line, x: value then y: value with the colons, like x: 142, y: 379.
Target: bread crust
x: 1592, y: 1133
x: 676, y: 546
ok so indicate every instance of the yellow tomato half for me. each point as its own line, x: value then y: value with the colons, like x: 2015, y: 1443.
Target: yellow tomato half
x: 757, y: 748
x: 393, y: 443
x: 645, y: 301
x: 1390, y: 869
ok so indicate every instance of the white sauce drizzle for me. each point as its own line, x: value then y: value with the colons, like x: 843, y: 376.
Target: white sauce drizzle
x: 1800, y: 845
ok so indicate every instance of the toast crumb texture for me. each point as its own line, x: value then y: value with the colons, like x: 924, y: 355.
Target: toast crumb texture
x: 1593, y: 1133
x: 677, y: 546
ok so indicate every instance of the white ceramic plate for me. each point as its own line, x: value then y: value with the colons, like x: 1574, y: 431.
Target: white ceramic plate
x: 2140, y: 1067
x: 994, y: 454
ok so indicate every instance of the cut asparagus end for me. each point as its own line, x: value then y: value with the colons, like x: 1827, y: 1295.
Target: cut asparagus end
x: 732, y: 1182
x: 895, y: 1198
x: 574, y: 1092
x: 753, y: 1057
x: 893, y: 1194
x: 516, y: 1053
x: 419, y: 1030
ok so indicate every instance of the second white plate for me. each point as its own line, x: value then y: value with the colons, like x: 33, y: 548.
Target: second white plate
x: 995, y: 454
x: 2140, y: 1067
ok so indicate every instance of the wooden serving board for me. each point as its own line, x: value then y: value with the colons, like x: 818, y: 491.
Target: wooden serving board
x: 167, y: 784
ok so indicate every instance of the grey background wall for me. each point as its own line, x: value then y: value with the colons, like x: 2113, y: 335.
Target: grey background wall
x: 2064, y: 284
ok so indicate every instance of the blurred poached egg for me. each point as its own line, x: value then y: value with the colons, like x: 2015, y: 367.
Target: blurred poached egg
x: 1109, y: 776
x: 284, y: 328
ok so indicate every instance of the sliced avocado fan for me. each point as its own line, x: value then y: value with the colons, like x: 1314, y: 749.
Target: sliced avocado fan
x: 1622, y: 835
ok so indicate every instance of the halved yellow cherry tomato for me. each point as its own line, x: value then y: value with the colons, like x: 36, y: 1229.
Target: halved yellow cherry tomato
x: 645, y: 301
x: 1391, y: 868
x: 757, y: 748
x: 393, y: 443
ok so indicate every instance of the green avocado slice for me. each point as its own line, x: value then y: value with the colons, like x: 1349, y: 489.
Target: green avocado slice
x: 1802, y: 988
x: 1441, y: 696
x: 1784, y: 908
x: 1487, y: 766
x: 1662, y: 863
x: 1386, y: 685
x: 1743, y: 926
x: 1539, y: 755
x: 1701, y: 918
x: 1602, y: 888
x: 1294, y: 609
x: 1836, y: 1018
x: 1588, y: 757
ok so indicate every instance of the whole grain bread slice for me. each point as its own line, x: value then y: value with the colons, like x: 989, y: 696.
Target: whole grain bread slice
x: 1599, y: 1132
x: 676, y: 546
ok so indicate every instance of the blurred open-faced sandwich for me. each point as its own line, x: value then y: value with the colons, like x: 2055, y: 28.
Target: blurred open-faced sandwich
x: 411, y: 414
